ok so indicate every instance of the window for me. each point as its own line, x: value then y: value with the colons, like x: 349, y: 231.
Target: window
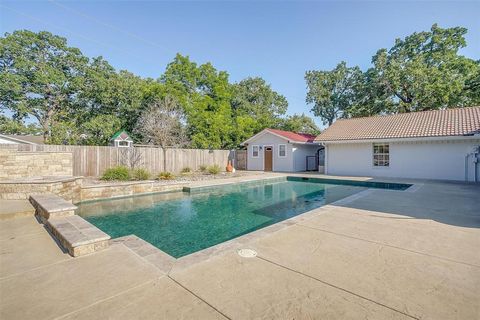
x: 381, y: 155
x: 282, y: 150
x: 255, y: 151
x: 123, y: 143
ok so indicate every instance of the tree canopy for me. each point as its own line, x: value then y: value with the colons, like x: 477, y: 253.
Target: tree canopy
x: 77, y: 100
x: 39, y: 76
x: 424, y: 71
x: 300, y: 123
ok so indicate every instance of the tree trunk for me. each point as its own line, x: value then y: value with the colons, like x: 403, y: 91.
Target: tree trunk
x: 164, y: 158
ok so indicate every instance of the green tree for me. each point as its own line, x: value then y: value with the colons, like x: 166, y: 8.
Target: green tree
x: 13, y: 126
x: 300, y: 123
x: 98, y: 130
x: 39, y: 76
x: 204, y: 94
x: 332, y: 93
x: 424, y: 71
x: 255, y: 106
x: 107, y: 92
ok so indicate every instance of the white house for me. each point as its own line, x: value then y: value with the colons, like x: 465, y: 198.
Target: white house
x: 440, y: 144
x: 20, y: 139
x: 285, y: 151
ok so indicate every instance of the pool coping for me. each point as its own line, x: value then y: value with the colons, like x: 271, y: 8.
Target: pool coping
x: 167, y: 263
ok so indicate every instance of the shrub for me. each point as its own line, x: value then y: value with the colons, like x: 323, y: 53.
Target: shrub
x: 116, y: 173
x: 140, y: 174
x: 215, y: 169
x: 186, y: 170
x: 166, y: 176
x: 203, y: 168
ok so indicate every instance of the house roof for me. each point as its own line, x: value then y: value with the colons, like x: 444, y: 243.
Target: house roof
x: 437, y: 123
x: 292, y: 137
x: 25, y: 139
x: 122, y: 134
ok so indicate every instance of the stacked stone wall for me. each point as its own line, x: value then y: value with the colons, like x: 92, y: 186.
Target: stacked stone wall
x: 18, y: 165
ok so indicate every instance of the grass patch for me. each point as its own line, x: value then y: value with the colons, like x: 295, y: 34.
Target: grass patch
x: 116, y: 173
x: 186, y: 170
x: 166, y: 176
x: 140, y: 174
x: 214, y: 169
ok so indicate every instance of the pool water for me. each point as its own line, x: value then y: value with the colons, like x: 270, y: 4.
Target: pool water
x: 181, y: 223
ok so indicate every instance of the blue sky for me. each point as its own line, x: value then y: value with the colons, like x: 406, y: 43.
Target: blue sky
x: 277, y: 41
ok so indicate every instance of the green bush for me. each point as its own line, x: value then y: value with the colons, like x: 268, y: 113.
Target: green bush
x: 116, y: 173
x: 203, y: 168
x: 140, y: 174
x: 166, y: 176
x: 215, y: 169
x: 186, y: 170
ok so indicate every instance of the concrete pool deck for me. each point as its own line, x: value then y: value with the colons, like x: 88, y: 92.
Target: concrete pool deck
x: 382, y: 254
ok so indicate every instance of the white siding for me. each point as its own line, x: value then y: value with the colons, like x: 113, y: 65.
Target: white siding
x: 300, y: 153
x: 444, y: 160
x: 279, y: 164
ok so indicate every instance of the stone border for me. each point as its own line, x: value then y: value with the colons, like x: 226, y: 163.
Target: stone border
x: 66, y: 187
x: 51, y: 206
x: 76, y: 235
x: 119, y: 190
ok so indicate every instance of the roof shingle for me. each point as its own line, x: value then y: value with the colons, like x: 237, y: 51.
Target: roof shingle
x: 437, y: 123
x: 293, y: 136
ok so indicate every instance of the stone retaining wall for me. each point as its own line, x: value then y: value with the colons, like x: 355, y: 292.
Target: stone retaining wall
x: 115, y: 190
x: 16, y: 164
x: 67, y: 188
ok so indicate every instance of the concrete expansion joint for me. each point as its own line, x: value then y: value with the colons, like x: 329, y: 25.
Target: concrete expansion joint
x: 198, y: 297
x: 105, y: 299
x: 334, y: 286
x: 390, y: 246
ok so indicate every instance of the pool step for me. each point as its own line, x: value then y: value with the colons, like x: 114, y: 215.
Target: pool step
x: 49, y: 205
x: 75, y: 234
x: 78, y: 236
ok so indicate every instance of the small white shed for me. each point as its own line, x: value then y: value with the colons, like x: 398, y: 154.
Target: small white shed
x: 282, y: 151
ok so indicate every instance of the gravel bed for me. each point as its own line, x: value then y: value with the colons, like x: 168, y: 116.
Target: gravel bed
x: 181, y: 177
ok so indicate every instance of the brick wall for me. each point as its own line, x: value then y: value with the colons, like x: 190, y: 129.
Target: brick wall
x: 18, y: 164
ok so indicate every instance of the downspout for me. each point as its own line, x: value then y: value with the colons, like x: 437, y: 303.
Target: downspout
x: 466, y: 166
x: 475, y: 161
x: 476, y: 157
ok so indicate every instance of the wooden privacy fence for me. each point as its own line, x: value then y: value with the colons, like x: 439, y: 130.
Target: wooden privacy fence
x: 94, y: 160
x: 241, y: 159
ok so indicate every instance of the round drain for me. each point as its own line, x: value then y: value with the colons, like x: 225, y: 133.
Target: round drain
x: 247, y: 253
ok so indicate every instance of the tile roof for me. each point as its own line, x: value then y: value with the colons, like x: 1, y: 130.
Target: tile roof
x: 437, y: 123
x: 293, y: 136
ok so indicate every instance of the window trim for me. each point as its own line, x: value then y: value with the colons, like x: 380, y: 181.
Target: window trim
x: 258, y: 151
x: 280, y: 156
x: 386, y: 155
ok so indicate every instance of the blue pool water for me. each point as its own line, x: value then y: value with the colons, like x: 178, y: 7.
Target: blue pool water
x: 181, y: 223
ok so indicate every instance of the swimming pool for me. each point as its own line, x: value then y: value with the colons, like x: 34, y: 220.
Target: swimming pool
x: 180, y: 223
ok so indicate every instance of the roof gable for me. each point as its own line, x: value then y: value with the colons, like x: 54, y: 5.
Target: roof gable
x: 289, y: 136
x: 437, y: 123
x: 25, y: 139
x: 121, y: 135
x: 293, y: 136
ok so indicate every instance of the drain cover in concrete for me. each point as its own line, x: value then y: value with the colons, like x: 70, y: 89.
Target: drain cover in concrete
x: 247, y: 253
